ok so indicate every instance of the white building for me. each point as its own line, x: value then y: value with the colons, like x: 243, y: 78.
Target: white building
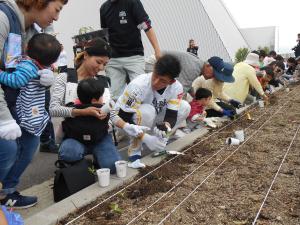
x: 260, y: 37
x: 208, y: 22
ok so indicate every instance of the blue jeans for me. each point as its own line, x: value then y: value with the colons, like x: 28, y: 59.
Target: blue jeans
x: 20, y: 154
x: 105, y: 152
x: 8, y: 154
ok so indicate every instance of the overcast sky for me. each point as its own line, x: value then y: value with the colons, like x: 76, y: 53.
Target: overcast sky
x: 256, y: 13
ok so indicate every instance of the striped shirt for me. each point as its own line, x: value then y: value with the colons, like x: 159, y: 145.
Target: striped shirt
x: 58, y: 106
x: 30, y: 108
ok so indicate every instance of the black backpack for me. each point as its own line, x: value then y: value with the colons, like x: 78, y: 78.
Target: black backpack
x: 71, y: 178
x: 85, y: 129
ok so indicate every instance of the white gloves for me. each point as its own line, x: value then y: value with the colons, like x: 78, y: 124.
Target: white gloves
x: 10, y: 130
x: 210, y: 122
x: 154, y: 143
x: 47, y: 77
x: 161, y: 130
x: 197, y: 117
x: 134, y: 130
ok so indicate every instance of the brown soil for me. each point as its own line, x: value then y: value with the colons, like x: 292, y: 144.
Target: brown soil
x: 231, y: 182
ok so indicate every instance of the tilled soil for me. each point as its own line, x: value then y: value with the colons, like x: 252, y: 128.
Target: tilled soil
x: 214, y: 183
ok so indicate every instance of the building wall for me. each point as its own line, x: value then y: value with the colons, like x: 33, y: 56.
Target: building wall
x: 174, y: 21
x: 260, y: 37
x: 76, y: 14
x: 225, y: 26
x: 182, y: 21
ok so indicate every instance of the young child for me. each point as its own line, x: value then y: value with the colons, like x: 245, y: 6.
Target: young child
x: 201, y: 100
x: 268, y: 75
x: 43, y: 49
x: 88, y: 130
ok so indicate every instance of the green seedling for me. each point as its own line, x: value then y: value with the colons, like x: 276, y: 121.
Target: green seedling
x: 92, y: 170
x: 122, y: 195
x: 115, y: 208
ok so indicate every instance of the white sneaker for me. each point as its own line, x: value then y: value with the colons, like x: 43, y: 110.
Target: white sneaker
x: 136, y: 164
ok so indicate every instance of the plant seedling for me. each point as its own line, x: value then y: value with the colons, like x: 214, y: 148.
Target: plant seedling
x: 122, y: 195
x: 92, y: 170
x: 115, y: 208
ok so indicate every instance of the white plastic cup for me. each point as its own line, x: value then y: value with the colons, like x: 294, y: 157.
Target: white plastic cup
x: 232, y: 141
x: 254, y: 99
x: 121, y: 168
x: 287, y: 90
x: 239, y: 134
x: 103, y: 177
x: 107, y: 107
x: 261, y: 103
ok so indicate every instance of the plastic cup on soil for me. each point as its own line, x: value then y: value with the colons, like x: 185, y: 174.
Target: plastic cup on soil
x: 261, y: 103
x: 287, y: 90
x: 103, y: 177
x: 121, y: 168
x: 232, y: 141
x: 239, y: 134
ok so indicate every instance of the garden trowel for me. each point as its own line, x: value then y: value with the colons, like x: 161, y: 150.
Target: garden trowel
x: 156, y: 154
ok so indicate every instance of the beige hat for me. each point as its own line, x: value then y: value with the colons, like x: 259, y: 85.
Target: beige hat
x: 252, y: 59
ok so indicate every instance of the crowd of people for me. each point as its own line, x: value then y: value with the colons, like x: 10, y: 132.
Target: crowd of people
x: 180, y: 92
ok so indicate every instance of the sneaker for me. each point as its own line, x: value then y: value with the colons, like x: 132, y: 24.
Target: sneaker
x: 18, y: 201
x: 49, y: 147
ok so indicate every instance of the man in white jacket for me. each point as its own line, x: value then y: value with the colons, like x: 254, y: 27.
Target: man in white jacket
x: 154, y: 100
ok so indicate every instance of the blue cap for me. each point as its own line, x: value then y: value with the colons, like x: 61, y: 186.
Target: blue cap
x: 222, y: 70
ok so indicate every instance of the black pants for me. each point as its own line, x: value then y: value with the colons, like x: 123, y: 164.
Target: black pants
x: 223, y: 105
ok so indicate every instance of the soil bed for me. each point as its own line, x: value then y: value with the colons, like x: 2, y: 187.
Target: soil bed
x: 232, y: 181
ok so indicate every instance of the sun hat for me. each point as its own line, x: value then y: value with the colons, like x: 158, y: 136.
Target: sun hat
x: 252, y: 59
x: 222, y: 70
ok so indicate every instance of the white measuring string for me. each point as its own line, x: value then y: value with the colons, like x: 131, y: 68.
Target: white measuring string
x: 273, y: 181
x: 134, y: 182
x: 188, y: 175
x: 199, y: 185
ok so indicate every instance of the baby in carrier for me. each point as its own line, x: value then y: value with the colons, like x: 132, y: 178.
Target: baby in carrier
x: 87, y: 129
